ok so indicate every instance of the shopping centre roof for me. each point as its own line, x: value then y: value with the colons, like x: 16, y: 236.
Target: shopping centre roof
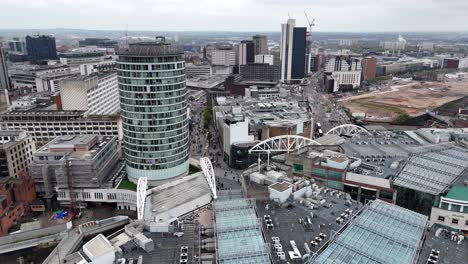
x: 434, y: 170
x: 382, y: 233
x: 238, y: 232
x: 458, y: 193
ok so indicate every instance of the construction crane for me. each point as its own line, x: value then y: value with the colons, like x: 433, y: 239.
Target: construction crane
x: 311, y: 23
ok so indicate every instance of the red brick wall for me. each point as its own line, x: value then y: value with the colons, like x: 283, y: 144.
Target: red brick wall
x: 7, y: 220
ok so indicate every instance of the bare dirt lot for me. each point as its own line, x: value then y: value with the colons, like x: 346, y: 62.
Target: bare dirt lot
x: 411, y: 97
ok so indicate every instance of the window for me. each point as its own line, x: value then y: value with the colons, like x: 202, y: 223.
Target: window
x: 441, y: 218
x: 444, y: 206
x: 455, y: 208
x: 466, y: 222
x: 298, y: 167
x: 454, y: 221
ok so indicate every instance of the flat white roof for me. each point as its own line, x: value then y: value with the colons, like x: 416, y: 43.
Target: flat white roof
x: 98, y: 246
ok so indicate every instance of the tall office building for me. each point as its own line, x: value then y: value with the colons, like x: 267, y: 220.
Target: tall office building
x: 260, y: 44
x: 41, y: 48
x: 292, y: 51
x: 16, y: 45
x: 246, y: 52
x: 369, y: 68
x: 299, y: 53
x: 4, y: 81
x: 223, y: 57
x: 151, y: 77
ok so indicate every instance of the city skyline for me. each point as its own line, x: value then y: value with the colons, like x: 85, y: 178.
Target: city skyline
x: 245, y: 131
x: 242, y: 15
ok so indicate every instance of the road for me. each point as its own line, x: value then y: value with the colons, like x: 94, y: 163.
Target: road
x: 325, y: 110
x: 227, y: 178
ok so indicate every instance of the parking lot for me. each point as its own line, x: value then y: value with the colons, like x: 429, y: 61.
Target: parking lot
x: 287, y: 227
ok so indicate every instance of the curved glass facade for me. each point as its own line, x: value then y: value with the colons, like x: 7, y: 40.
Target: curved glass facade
x: 154, y: 112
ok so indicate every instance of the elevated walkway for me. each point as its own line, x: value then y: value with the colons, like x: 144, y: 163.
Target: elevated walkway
x: 74, y: 238
x: 33, y: 238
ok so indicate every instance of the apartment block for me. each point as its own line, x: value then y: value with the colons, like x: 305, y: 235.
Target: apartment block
x: 16, y: 149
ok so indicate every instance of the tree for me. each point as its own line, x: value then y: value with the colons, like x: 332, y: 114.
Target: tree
x: 401, y: 118
x: 206, y: 118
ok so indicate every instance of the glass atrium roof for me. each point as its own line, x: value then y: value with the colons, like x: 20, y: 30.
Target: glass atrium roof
x: 433, y: 172
x: 382, y: 233
x: 238, y: 232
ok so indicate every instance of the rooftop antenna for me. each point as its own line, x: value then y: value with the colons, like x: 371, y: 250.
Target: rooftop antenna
x: 289, y: 16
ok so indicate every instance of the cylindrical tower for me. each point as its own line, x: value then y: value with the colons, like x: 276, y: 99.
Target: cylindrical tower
x: 151, y: 78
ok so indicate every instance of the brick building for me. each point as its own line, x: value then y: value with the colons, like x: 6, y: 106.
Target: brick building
x: 369, y: 68
x: 15, y: 198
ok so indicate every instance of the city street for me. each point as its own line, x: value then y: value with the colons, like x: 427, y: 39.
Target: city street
x: 228, y: 178
x: 325, y: 111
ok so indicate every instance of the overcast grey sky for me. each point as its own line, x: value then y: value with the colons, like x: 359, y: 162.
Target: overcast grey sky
x: 236, y: 15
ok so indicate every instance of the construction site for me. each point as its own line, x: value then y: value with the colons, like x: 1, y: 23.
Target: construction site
x: 401, y: 96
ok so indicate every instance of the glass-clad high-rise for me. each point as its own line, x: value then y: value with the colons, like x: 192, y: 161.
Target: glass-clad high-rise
x: 151, y: 78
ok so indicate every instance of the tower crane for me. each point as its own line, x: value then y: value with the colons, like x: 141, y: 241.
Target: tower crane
x: 311, y: 23
x: 309, y: 60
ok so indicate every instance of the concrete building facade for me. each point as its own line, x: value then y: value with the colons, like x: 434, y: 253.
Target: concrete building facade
x: 82, y: 161
x: 235, y: 130
x: 263, y: 58
x: 343, y: 73
x: 192, y: 70
x: 96, y: 94
x: 345, y: 80
x: 4, y: 80
x: 41, y: 78
x: 78, y: 58
x: 452, y: 210
x: 16, y: 150
x: 153, y: 98
x: 44, y: 126
x: 90, y: 68
x: 223, y: 57
x: 259, y: 72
